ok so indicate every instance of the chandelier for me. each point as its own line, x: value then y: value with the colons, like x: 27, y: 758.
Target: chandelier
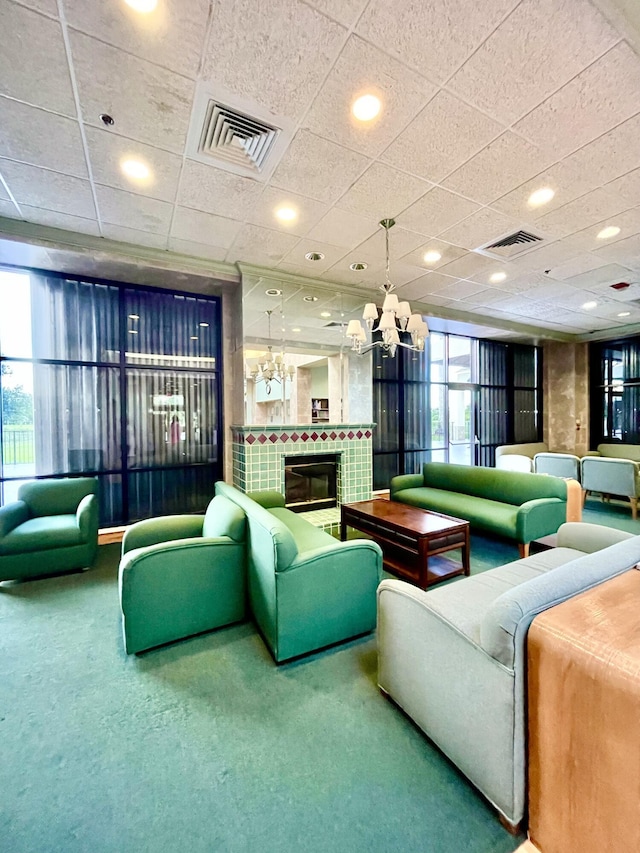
x: 396, y: 319
x: 270, y: 368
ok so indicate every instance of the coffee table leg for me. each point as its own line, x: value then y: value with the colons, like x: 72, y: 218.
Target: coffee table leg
x: 343, y: 529
x: 423, y: 552
x: 466, y: 550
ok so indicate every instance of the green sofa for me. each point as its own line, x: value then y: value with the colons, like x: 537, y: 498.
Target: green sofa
x: 307, y: 590
x: 181, y: 575
x: 517, y: 506
x: 52, y: 528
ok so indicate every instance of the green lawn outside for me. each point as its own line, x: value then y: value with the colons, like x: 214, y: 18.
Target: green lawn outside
x: 17, y: 445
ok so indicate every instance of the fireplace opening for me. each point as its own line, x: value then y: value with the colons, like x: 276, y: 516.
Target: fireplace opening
x: 310, y: 481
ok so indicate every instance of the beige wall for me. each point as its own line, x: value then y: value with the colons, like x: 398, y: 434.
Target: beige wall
x: 566, y: 397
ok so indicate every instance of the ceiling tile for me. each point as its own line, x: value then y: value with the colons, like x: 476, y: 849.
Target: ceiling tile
x: 349, y: 276
x: 609, y: 274
x: 318, y: 168
x: 51, y: 190
x: 134, y: 236
x: 133, y: 211
x: 198, y: 250
x: 564, y: 178
x: 172, y: 35
x: 3, y: 193
x: 479, y: 228
x: 47, y: 7
x: 198, y: 227
x: 602, y: 96
x: 147, y: 102
x: 263, y: 246
x: 576, y: 266
x: 262, y: 212
x: 610, y: 156
x: 543, y: 44
x: 476, y: 267
x: 275, y: 54
x: 628, y: 223
x: 60, y: 220
x: 296, y: 256
x: 460, y: 289
x: 346, y: 12
x: 436, y: 211
x: 401, y: 241
x: 485, y: 298
x: 430, y: 283
x: 341, y: 228
x: 502, y: 165
x: 362, y: 69
x: 625, y: 252
x: 108, y: 150
x: 442, y: 137
x: 41, y: 138
x: 576, y: 215
x: 385, y: 189
x: 627, y: 187
x: 550, y: 290
x: 216, y: 191
x: 33, y: 61
x: 8, y: 208
x: 434, y: 37
x: 447, y: 253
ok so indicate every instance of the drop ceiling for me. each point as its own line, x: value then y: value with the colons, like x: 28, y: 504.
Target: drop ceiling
x: 482, y: 104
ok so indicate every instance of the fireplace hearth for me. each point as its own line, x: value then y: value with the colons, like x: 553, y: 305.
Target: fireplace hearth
x: 310, y: 481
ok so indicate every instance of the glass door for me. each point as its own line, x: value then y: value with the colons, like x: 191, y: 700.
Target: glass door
x: 461, y: 425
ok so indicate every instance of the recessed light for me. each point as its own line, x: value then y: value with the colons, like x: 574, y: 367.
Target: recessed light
x: 497, y: 276
x: 589, y: 305
x: 314, y: 256
x: 609, y: 231
x: 135, y: 169
x: 624, y: 314
x: 295, y: 330
x: 431, y: 257
x: 325, y: 313
x: 366, y: 107
x: 133, y: 331
x: 286, y: 214
x: 273, y: 291
x: 142, y: 5
x: 194, y: 337
x: 204, y: 325
x: 309, y: 298
x: 134, y: 316
x: 357, y: 267
x: 540, y: 197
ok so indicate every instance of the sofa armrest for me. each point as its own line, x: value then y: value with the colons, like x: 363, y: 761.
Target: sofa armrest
x: 11, y: 515
x: 539, y: 517
x: 87, y: 516
x: 168, y: 528
x: 405, y: 481
x: 592, y: 453
x: 589, y: 537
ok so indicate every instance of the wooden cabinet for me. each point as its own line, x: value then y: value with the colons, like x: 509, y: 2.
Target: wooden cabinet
x: 319, y: 410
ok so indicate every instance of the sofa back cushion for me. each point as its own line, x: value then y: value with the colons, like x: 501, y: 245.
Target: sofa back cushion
x: 620, y: 451
x: 529, y: 449
x: 510, y: 487
x: 505, y: 624
x: 224, y: 518
x: 56, y: 497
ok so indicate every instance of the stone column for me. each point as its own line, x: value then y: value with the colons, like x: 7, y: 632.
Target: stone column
x: 566, y: 396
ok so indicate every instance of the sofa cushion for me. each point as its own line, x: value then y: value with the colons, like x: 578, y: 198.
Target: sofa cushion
x: 464, y: 603
x: 620, y: 451
x: 50, y: 531
x: 509, y: 487
x: 506, y: 620
x: 224, y: 518
x: 306, y: 535
x: 499, y: 518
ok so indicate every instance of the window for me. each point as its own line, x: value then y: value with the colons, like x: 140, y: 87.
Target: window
x: 615, y: 391
x: 114, y: 381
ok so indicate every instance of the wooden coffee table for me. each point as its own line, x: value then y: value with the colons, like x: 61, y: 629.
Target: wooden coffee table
x: 409, y: 536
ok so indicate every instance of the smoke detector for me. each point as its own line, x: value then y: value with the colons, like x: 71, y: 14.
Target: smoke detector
x: 235, y: 134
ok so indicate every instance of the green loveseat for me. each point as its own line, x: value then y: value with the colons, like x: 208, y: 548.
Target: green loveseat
x: 517, y: 506
x: 307, y: 590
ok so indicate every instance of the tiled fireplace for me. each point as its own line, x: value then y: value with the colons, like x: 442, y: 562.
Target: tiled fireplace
x: 259, y: 453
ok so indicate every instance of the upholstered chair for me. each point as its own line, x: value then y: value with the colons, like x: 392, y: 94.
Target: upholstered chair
x: 564, y: 465
x: 52, y: 528
x: 618, y: 477
x: 182, y: 575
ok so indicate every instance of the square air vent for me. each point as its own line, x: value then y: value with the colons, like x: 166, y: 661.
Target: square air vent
x: 236, y: 135
x: 511, y: 245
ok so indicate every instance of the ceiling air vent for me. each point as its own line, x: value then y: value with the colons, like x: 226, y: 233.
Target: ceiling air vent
x: 236, y: 135
x: 511, y: 245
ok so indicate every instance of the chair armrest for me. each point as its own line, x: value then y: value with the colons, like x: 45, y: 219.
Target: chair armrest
x: 405, y: 481
x: 195, y: 546
x: 267, y: 499
x: 351, y: 550
x: 87, y: 516
x: 589, y: 537
x: 11, y: 515
x: 167, y: 528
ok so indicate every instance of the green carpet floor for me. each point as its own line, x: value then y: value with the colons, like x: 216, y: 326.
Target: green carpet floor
x: 206, y: 745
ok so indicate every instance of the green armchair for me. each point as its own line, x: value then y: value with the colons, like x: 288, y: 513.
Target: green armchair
x: 52, y: 528
x: 182, y: 575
